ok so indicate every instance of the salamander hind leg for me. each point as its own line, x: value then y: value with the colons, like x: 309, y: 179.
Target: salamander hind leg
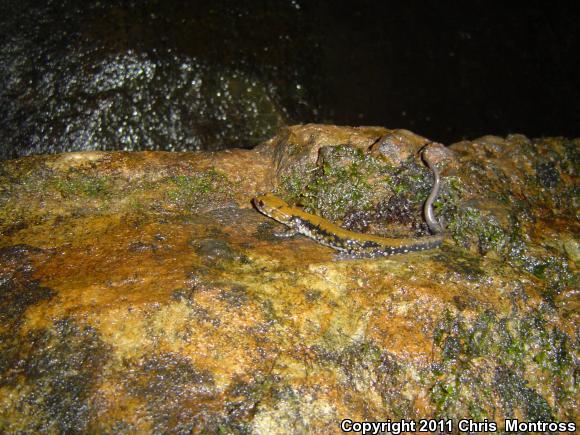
x: 345, y: 255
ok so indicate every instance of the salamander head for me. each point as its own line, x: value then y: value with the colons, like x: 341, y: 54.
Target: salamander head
x: 274, y: 207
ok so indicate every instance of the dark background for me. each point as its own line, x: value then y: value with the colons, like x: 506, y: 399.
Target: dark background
x: 454, y: 70
x: 78, y: 75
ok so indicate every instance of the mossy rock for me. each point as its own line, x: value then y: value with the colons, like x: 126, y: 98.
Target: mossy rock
x: 141, y: 292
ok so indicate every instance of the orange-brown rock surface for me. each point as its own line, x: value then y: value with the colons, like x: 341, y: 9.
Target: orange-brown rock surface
x: 142, y: 292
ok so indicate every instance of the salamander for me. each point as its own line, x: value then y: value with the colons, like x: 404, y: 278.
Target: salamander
x: 346, y: 241
x: 435, y: 226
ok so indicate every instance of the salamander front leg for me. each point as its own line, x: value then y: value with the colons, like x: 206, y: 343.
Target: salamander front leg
x: 286, y: 233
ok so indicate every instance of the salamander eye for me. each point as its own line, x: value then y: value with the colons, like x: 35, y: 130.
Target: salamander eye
x: 261, y: 203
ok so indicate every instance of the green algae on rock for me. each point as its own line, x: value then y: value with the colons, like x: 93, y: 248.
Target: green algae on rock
x: 141, y: 292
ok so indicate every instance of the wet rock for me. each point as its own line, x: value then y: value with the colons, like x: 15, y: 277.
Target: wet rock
x: 398, y: 145
x: 213, y: 249
x: 74, y: 77
x: 61, y: 367
x: 142, y: 292
x: 296, y: 149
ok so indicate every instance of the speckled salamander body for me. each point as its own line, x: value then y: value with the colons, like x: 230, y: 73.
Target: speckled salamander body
x: 329, y: 234
x: 349, y: 242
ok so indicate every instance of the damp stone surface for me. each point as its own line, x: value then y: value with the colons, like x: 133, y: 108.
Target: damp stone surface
x: 142, y: 292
